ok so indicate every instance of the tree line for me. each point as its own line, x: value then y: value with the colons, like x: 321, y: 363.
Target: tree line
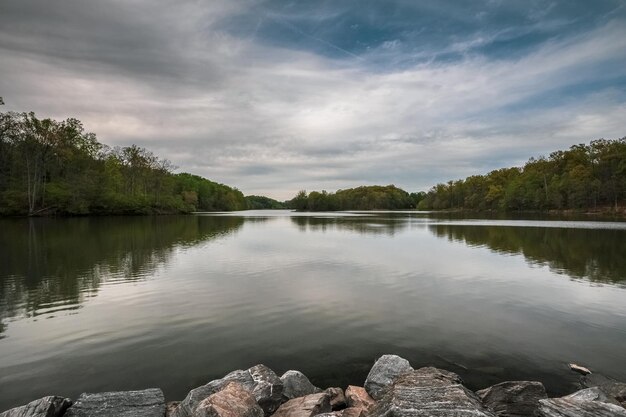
x: 583, y: 177
x: 372, y: 197
x: 56, y: 167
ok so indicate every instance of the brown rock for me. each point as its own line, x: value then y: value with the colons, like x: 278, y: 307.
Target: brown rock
x: 234, y: 400
x: 357, y: 397
x: 354, y: 412
x: 337, y: 398
x: 307, y: 406
x: 170, y: 407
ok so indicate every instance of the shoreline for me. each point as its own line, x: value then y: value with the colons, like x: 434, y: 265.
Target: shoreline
x: 392, y: 388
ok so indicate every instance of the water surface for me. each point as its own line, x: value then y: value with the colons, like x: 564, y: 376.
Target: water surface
x: 95, y: 304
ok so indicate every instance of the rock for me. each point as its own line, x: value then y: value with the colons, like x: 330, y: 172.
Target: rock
x: 51, y: 406
x: 579, y: 369
x: 346, y: 412
x: 564, y: 407
x: 513, y: 398
x: 234, y: 400
x: 337, y: 398
x: 429, y: 392
x: 354, y: 412
x: 268, y: 388
x: 307, y: 406
x: 357, y: 397
x: 170, y: 407
x: 592, y: 394
x: 260, y: 380
x: 382, y: 374
x: 296, y: 384
x: 612, y: 388
x: 145, y: 403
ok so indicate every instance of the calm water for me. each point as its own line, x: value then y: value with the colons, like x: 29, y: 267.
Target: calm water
x: 94, y: 304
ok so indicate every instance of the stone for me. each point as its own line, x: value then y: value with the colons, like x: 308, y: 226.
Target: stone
x: 592, y: 394
x: 382, y: 374
x: 268, y: 388
x: 513, y: 398
x: 51, y: 406
x: 337, y: 398
x: 145, y: 403
x: 612, y: 388
x: 307, y: 406
x: 260, y: 380
x: 234, y: 400
x: 170, y: 407
x: 429, y: 392
x: 357, y: 397
x: 354, y: 412
x: 580, y: 369
x: 296, y: 384
x: 565, y: 407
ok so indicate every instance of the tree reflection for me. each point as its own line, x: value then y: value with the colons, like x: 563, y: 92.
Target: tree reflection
x: 593, y: 254
x: 49, y: 265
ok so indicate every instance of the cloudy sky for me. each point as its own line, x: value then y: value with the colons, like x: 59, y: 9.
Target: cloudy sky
x: 275, y: 96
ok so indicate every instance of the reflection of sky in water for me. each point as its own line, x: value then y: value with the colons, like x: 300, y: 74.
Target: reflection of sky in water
x: 324, y: 295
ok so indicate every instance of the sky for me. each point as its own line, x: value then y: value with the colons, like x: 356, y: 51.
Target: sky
x: 275, y: 96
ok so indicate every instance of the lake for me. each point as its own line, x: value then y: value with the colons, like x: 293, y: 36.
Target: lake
x: 117, y: 303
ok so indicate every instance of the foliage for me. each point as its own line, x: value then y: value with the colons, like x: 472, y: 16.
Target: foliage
x: 257, y: 202
x: 47, y: 166
x: 583, y: 177
x: 374, y: 197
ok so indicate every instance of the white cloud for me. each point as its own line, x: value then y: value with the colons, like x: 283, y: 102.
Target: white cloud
x: 272, y: 120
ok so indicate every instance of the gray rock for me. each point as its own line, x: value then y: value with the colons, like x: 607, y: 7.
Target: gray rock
x: 429, y: 392
x: 385, y: 370
x: 51, y: 406
x: 145, y: 403
x: 307, y: 406
x: 260, y: 380
x: 268, y: 388
x: 612, y: 388
x: 296, y: 384
x: 592, y: 394
x: 337, y: 398
x: 564, y: 407
x: 513, y: 398
x: 234, y: 400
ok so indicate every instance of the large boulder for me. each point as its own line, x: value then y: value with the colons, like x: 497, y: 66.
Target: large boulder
x: 51, y: 406
x: 232, y: 401
x: 296, y: 384
x: 612, y: 388
x: 145, y: 403
x: 592, y: 394
x: 385, y: 370
x: 307, y: 406
x: 568, y: 407
x: 513, y: 398
x: 260, y: 380
x: 429, y: 392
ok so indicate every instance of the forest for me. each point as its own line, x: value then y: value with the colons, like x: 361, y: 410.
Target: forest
x: 56, y: 167
x: 584, y: 177
x: 374, y: 197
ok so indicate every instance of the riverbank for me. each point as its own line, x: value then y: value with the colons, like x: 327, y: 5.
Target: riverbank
x: 392, y: 388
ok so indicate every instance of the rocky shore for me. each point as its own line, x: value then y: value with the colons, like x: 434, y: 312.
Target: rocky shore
x: 392, y: 389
